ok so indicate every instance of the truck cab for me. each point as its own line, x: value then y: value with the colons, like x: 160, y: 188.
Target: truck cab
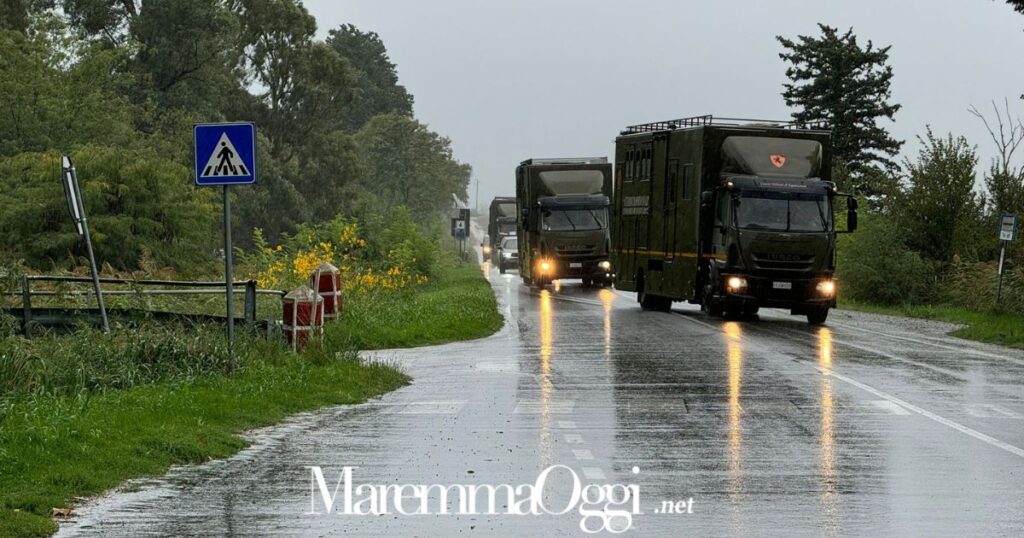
x: 563, y: 225
x: 771, y: 244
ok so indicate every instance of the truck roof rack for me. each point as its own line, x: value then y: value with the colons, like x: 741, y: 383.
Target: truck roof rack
x: 708, y: 119
x: 567, y: 160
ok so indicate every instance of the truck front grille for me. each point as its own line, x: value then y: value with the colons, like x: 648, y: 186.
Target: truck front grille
x: 575, y: 250
x: 789, y: 262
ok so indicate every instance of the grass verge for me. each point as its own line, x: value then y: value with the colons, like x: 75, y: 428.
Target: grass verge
x: 458, y: 305
x: 1002, y: 328
x: 83, y: 412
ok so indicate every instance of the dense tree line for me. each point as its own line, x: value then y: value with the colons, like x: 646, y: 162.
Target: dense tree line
x: 117, y: 84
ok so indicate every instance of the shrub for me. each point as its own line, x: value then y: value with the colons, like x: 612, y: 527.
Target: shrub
x: 874, y: 265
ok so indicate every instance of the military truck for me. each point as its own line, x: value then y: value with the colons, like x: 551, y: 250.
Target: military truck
x: 501, y: 223
x: 563, y: 220
x: 729, y: 214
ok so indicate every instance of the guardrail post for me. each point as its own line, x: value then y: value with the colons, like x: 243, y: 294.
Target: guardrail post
x: 250, y: 302
x: 26, y: 307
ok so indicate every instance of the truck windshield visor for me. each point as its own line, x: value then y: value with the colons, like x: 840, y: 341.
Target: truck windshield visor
x: 783, y: 212
x: 574, y: 220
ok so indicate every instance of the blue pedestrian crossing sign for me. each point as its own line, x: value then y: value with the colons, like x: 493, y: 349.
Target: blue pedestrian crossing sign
x: 225, y: 153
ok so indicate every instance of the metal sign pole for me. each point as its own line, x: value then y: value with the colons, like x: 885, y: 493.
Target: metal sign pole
x: 1002, y: 257
x: 228, y: 277
x: 77, y: 207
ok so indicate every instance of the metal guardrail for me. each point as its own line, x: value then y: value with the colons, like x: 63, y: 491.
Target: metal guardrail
x: 248, y: 287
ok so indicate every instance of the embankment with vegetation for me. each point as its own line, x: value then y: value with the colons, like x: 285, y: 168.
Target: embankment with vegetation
x: 81, y: 412
x: 346, y: 175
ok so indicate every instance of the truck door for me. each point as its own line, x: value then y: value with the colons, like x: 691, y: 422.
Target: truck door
x: 671, y: 207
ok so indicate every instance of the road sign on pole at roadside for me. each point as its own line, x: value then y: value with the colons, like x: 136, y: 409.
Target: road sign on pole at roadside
x: 1008, y: 227
x: 225, y: 156
x: 1007, y: 232
x: 225, y: 153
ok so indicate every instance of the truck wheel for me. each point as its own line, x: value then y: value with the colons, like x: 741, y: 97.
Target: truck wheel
x: 817, y: 315
x: 708, y: 303
x: 588, y: 282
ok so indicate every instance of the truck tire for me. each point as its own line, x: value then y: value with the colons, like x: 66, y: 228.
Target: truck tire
x: 588, y: 283
x: 817, y: 315
x: 652, y: 302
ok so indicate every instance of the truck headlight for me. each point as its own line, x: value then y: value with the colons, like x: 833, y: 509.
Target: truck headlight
x: 545, y: 266
x: 736, y: 283
x: 487, y: 249
x: 827, y: 288
x: 605, y: 265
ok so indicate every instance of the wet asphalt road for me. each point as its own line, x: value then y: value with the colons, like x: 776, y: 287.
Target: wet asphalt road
x: 867, y: 426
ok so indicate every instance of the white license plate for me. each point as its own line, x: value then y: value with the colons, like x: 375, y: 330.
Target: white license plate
x: 782, y: 285
x: 575, y: 265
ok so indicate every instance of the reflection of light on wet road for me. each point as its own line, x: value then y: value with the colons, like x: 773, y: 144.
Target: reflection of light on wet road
x: 487, y: 270
x: 546, y: 337
x: 829, y: 496
x: 607, y: 297
x: 557, y: 285
x: 734, y: 354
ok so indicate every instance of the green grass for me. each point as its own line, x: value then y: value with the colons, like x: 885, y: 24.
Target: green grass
x: 458, y: 305
x: 81, y: 413
x: 1002, y: 328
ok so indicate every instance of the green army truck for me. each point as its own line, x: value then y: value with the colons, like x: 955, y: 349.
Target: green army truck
x: 500, y: 223
x: 563, y: 220
x: 729, y: 214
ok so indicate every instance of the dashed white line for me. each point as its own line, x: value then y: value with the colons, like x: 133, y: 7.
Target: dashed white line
x: 583, y: 455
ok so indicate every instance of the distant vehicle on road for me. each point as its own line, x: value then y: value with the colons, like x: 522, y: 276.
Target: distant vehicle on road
x: 563, y: 220
x: 508, y: 254
x: 500, y: 223
x: 729, y: 214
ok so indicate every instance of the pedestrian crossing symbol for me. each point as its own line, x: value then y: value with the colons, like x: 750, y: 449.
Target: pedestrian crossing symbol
x: 225, y: 153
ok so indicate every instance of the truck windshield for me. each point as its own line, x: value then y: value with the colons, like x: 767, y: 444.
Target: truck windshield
x: 570, y: 220
x: 783, y: 212
x: 510, y: 243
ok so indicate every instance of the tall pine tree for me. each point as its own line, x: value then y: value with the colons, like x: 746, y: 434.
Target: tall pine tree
x: 836, y: 80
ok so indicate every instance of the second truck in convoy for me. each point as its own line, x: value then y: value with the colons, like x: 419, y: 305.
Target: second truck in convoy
x: 501, y: 223
x: 563, y: 220
x: 733, y: 215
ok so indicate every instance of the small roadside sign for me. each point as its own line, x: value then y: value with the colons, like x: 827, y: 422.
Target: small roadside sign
x: 225, y: 153
x: 1008, y: 227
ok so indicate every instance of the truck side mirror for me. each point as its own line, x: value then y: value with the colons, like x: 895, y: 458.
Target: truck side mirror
x: 525, y: 218
x: 851, y: 217
x: 706, y: 197
x: 851, y: 204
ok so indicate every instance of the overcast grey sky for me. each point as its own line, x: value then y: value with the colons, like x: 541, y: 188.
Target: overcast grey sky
x: 508, y: 80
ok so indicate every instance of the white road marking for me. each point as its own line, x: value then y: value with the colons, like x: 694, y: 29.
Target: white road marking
x: 1017, y: 451
x: 889, y: 407
x: 573, y: 438
x: 567, y: 424
x: 593, y: 473
x: 927, y: 414
x: 583, y: 454
x: 992, y: 411
x: 536, y: 407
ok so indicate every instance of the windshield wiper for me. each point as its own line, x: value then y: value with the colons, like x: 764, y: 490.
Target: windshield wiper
x: 568, y: 218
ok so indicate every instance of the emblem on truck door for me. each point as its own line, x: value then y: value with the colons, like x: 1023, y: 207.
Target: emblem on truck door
x: 778, y: 160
